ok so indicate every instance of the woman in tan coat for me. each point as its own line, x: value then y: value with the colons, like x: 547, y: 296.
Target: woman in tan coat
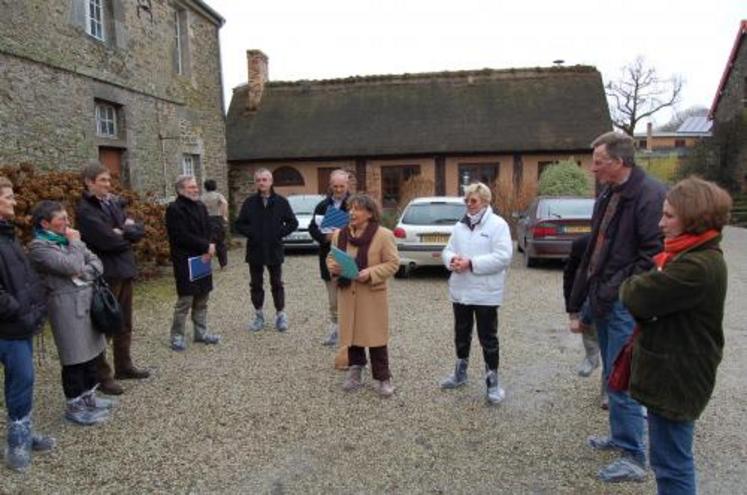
x: 362, y: 303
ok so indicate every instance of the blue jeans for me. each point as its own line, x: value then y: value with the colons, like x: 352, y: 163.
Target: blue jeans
x: 625, y: 414
x: 671, y: 448
x: 18, y: 360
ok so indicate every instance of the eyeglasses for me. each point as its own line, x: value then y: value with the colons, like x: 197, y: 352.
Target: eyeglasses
x: 471, y: 201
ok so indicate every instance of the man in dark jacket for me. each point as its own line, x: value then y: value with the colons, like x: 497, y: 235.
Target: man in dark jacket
x: 625, y: 236
x: 109, y: 233
x: 22, y: 313
x: 338, y: 194
x: 265, y: 218
x: 190, y: 236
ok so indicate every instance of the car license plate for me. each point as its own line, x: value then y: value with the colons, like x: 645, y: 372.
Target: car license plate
x: 577, y: 229
x: 298, y: 236
x: 434, y: 238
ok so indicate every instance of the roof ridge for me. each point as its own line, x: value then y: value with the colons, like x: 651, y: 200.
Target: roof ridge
x: 513, y: 72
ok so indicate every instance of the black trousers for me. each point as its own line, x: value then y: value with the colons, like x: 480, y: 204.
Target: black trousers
x: 276, y: 285
x: 487, y: 331
x: 379, y: 360
x: 217, y: 224
x: 79, y: 378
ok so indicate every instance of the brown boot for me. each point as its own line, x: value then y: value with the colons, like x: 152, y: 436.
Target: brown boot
x: 122, y: 360
x: 107, y: 385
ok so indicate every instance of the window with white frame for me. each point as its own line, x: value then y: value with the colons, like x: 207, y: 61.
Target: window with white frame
x: 190, y: 164
x: 95, y: 19
x: 106, y: 120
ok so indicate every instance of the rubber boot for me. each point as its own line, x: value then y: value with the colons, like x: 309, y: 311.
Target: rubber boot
x: 18, y: 448
x: 591, y: 348
x: 494, y: 394
x: 95, y: 402
x: 332, y: 336
x: 459, y: 377
x: 259, y: 321
x: 41, y: 443
x: 80, y: 413
x: 354, y: 378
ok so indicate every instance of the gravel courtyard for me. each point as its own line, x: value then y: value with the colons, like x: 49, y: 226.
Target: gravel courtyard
x: 264, y: 413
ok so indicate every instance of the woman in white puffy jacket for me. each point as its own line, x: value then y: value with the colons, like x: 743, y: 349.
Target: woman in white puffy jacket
x: 478, y: 254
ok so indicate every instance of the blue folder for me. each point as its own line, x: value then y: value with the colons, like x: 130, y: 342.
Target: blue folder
x: 346, y: 262
x: 334, y: 218
x: 198, y: 269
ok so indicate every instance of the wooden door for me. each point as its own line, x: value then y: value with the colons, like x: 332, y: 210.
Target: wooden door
x: 111, y: 158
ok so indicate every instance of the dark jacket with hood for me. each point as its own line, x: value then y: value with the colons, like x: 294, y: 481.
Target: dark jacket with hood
x: 190, y: 235
x: 632, y: 238
x: 264, y: 228
x: 316, y: 233
x: 23, y: 305
x: 97, y: 225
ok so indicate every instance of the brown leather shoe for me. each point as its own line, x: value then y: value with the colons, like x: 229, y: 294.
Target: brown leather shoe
x: 110, y: 387
x: 132, y: 374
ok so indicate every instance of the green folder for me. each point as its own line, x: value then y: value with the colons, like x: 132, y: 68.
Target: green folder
x: 346, y: 262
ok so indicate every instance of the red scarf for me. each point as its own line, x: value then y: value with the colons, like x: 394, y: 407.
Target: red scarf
x: 683, y: 242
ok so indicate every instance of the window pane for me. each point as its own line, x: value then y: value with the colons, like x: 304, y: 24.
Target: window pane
x: 567, y: 208
x: 434, y: 214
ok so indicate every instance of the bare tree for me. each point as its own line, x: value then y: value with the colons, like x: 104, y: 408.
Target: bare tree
x: 639, y: 93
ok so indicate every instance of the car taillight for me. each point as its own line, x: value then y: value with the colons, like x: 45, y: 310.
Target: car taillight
x: 544, y: 230
x: 400, y: 233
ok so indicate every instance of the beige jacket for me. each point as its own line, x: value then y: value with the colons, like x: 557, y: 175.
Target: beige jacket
x: 363, y: 307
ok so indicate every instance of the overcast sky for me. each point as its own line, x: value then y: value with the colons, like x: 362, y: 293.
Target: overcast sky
x: 324, y: 39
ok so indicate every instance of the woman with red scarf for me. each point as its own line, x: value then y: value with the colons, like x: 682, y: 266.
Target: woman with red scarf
x: 362, y: 302
x: 679, y: 307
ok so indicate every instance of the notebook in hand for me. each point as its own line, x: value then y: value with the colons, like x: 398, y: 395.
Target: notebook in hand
x: 334, y: 218
x: 198, y: 269
x: 346, y: 262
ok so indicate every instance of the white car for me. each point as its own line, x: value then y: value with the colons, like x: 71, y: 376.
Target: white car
x: 303, y: 207
x: 424, y: 229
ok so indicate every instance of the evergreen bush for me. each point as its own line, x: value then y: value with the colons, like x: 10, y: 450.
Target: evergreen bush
x: 566, y: 178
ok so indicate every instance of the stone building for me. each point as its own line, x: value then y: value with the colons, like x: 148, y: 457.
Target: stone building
x: 729, y: 107
x: 498, y: 126
x: 134, y: 83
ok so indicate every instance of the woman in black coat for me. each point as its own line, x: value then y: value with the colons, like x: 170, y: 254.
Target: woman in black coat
x: 190, y: 236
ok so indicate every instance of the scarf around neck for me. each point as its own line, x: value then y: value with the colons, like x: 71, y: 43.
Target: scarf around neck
x: 683, y: 242
x: 363, y: 243
x: 50, y: 236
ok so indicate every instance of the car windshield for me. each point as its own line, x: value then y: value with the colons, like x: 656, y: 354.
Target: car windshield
x: 566, y: 208
x: 433, y: 214
x: 304, y: 205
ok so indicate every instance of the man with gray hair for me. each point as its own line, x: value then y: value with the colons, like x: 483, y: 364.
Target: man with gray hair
x: 265, y: 218
x: 190, y: 235
x: 625, y: 237
x: 336, y: 197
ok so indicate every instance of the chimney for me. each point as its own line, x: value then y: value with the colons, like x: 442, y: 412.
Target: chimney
x: 256, y: 62
x: 649, y: 136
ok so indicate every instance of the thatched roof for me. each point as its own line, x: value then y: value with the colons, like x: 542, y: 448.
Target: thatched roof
x: 488, y: 111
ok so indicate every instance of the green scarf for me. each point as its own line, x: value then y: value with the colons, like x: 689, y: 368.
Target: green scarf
x: 50, y: 236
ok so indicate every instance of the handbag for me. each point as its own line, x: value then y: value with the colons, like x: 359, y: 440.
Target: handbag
x: 619, y: 379
x: 106, y: 314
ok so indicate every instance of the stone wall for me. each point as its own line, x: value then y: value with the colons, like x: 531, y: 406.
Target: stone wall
x: 731, y: 100
x: 52, y: 72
